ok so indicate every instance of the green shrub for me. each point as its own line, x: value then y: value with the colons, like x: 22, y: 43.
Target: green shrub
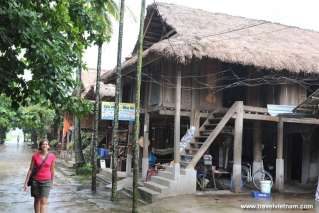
x: 86, y: 139
x: 84, y: 170
x: 53, y: 143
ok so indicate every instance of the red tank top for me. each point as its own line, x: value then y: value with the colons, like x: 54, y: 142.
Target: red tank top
x: 45, y: 172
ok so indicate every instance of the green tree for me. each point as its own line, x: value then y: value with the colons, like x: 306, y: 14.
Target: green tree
x: 46, y: 38
x: 36, y: 119
x: 103, y: 32
x: 7, y: 117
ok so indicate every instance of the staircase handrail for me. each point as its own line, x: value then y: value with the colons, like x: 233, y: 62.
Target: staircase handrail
x: 230, y: 113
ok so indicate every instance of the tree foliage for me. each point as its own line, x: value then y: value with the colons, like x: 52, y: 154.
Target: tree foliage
x: 47, y: 38
x: 36, y: 117
x: 7, y: 114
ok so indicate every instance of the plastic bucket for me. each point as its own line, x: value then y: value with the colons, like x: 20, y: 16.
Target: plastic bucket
x: 102, y: 152
x: 265, y: 186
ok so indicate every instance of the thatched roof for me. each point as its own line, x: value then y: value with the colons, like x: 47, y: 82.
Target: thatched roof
x: 184, y: 33
x: 88, y: 85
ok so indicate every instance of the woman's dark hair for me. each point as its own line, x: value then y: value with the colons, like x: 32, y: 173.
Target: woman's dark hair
x: 41, y: 142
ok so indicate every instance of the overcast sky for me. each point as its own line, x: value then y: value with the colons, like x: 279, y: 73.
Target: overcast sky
x: 298, y: 13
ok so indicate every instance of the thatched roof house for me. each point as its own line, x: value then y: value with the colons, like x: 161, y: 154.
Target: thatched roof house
x: 88, y: 85
x: 182, y: 33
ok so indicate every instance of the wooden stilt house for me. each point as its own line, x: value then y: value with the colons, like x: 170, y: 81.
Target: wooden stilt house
x: 221, y: 74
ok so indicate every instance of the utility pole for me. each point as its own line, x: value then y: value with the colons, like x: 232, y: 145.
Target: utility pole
x: 118, y: 92
x: 137, y: 107
x: 97, y: 117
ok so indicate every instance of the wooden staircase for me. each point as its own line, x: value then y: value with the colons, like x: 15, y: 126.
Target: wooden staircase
x: 214, y: 125
x: 165, y: 184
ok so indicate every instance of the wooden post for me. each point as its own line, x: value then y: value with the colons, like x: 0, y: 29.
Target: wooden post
x: 254, y: 99
x: 239, y: 123
x: 195, y: 113
x: 258, y: 161
x: 177, y: 123
x: 306, y: 140
x: 146, y: 132
x: 146, y: 144
x: 129, y: 150
x: 279, y: 160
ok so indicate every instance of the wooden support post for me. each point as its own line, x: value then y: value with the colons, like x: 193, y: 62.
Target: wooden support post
x: 146, y: 131
x: 195, y: 113
x: 239, y: 123
x: 146, y: 145
x: 129, y: 150
x: 258, y: 161
x: 306, y: 140
x: 177, y: 124
x: 279, y: 159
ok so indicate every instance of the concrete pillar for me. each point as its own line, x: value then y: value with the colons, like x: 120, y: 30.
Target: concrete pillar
x: 257, y: 154
x: 239, y: 122
x: 129, y: 156
x: 176, y: 166
x: 279, y: 183
x: 146, y: 145
x: 306, y: 140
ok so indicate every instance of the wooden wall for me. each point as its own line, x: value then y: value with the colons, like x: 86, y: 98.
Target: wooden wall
x: 205, y: 75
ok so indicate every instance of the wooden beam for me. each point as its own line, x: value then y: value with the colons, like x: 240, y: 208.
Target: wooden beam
x: 255, y: 109
x: 260, y: 117
x: 301, y: 120
x: 172, y: 112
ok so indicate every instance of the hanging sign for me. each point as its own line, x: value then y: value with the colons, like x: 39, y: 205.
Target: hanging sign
x: 126, y: 111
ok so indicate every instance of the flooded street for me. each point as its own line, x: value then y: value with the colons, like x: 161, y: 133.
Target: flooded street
x: 67, y: 195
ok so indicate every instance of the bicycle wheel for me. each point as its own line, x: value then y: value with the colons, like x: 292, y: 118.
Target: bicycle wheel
x: 201, y: 182
x: 260, y: 175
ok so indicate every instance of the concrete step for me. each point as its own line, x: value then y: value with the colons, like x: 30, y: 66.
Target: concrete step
x: 155, y: 186
x: 166, y: 174
x: 184, y: 164
x: 186, y: 157
x: 161, y: 180
x: 147, y: 194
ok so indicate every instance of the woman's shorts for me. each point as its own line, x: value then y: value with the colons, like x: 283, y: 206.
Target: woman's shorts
x: 40, y: 188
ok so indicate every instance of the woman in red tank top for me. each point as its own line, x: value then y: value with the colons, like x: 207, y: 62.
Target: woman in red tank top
x: 42, y: 182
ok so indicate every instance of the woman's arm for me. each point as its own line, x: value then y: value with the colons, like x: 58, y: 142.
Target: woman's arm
x: 52, y: 169
x: 28, y: 176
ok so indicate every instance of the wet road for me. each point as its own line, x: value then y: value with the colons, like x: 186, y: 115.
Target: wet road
x: 67, y: 196
x: 72, y: 196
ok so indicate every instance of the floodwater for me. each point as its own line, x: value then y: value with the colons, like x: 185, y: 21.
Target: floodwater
x: 67, y: 195
x: 70, y: 195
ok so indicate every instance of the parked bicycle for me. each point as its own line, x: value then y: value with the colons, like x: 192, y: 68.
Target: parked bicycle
x: 260, y: 175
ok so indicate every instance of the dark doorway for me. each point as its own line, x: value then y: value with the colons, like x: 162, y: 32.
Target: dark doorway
x: 295, y: 156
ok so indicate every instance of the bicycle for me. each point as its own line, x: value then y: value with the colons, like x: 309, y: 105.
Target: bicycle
x: 260, y: 175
